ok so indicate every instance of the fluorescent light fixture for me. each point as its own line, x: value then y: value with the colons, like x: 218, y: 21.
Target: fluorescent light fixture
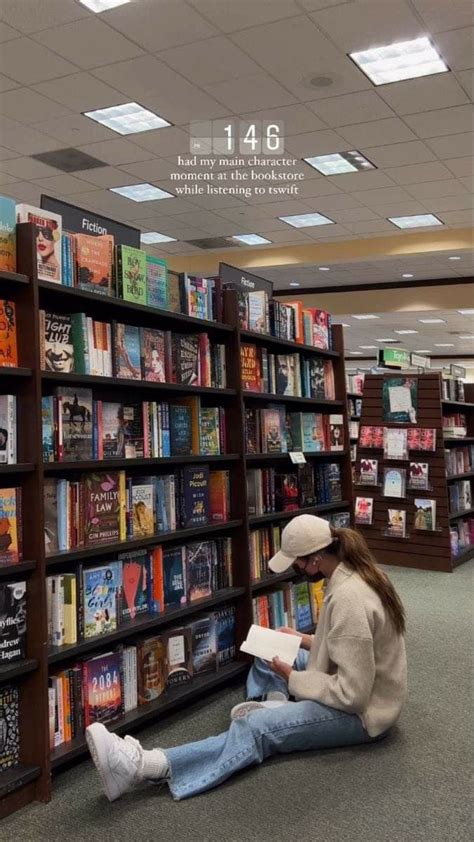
x: 444, y: 344
x: 403, y: 332
x: 419, y: 220
x: 251, y: 239
x: 466, y: 336
x: 339, y: 162
x: 454, y: 258
x: 433, y: 321
x: 294, y: 284
x: 407, y: 275
x: 142, y: 192
x: 150, y: 237
x: 129, y: 118
x: 387, y: 340
x: 468, y: 312
x: 366, y: 316
x: 102, y: 5
x: 402, y: 60
x: 422, y: 351
x: 367, y: 347
x: 356, y: 353
x: 344, y: 324
x: 324, y: 268
x: 306, y: 220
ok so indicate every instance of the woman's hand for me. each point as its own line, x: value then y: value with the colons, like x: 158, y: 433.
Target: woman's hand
x: 281, y: 669
x: 288, y: 630
x: 306, y: 639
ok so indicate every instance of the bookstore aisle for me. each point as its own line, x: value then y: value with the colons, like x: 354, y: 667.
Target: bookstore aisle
x: 414, y: 787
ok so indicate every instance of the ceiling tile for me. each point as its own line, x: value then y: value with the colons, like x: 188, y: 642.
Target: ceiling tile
x: 365, y: 23
x: 359, y: 214
x: 7, y: 33
x: 107, y: 177
x: 381, y: 196
x: 156, y: 27
x: 165, y: 143
x: 25, y: 140
x: 116, y: 152
x: 467, y: 183
x: 440, y: 16
x: 458, y: 217
x: 29, y: 106
x: 419, y: 172
x: 297, y: 119
x: 7, y: 84
x: 314, y: 5
x: 351, y: 108
x: 329, y: 203
x: 428, y: 190
x: 63, y: 184
x: 287, y: 236
x: 250, y: 93
x: 74, y: 130
x: 450, y: 203
x: 391, y: 130
x: 406, y: 207
x: 219, y: 61
x: 26, y: 168
x: 314, y: 187
x: 151, y: 170
x: 461, y: 166
x: 424, y: 94
x: 8, y: 154
x: 457, y: 48
x: 26, y: 61
x: 315, y: 143
x: 80, y: 92
x: 442, y: 121
x: 399, y: 154
x: 7, y: 179
x: 230, y: 16
x: 41, y: 15
x: 89, y: 43
x: 361, y: 180
x: 24, y: 191
x: 374, y: 226
x: 466, y: 77
x: 453, y: 146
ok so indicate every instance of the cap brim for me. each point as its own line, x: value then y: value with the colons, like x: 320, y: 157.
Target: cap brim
x: 280, y: 562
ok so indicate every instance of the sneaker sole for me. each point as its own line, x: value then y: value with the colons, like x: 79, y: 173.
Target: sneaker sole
x: 241, y: 710
x: 96, y: 743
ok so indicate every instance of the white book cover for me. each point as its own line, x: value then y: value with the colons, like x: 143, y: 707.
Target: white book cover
x: 268, y: 644
x: 7, y: 430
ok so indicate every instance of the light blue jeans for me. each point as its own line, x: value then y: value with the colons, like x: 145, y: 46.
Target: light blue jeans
x: 295, y: 726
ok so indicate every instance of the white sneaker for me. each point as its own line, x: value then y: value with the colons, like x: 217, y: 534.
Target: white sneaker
x: 118, y: 762
x: 239, y: 711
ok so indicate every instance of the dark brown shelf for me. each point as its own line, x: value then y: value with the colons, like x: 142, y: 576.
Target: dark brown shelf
x: 19, y: 468
x: 456, y: 404
x: 454, y: 477
x: 14, y: 277
x: 115, y: 307
x: 169, y: 700
x: 103, y: 464
x: 13, y: 571
x: 139, y: 543
x: 355, y: 417
x: 144, y: 623
x: 463, y: 556
x: 16, y: 669
x: 310, y: 510
x: 7, y: 371
x: 310, y: 454
x: 276, y: 342
x: 272, y: 579
x: 465, y: 513
x: 17, y: 777
x: 354, y: 395
x: 316, y: 402
x: 458, y: 440
x: 125, y: 383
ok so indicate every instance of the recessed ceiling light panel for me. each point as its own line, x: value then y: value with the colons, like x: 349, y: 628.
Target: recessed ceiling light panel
x: 150, y: 237
x: 294, y: 284
x: 367, y: 347
x: 402, y: 60
x: 387, y: 340
x: 102, y: 5
x: 455, y: 257
x: 468, y: 312
x: 129, y: 118
x: 420, y: 220
x: 324, y: 268
x: 407, y: 275
x: 366, y: 316
x: 356, y: 353
x: 306, y: 220
x: 466, y: 336
x: 142, y: 192
x: 403, y: 332
x: 340, y: 162
x: 251, y: 239
x: 444, y: 345
x: 433, y: 321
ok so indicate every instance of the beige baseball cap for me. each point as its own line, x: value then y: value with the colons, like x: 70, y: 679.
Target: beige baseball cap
x: 303, y: 535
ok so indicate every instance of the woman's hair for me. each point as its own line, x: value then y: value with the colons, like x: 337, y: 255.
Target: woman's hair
x: 351, y: 548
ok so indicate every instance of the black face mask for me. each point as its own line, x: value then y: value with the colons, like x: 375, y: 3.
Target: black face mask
x: 315, y: 577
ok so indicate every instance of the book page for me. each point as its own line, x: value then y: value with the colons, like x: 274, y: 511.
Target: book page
x: 267, y: 644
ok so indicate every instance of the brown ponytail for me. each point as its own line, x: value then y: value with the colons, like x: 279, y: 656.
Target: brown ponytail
x: 350, y: 547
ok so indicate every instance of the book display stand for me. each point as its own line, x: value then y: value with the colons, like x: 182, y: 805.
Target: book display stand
x: 429, y: 548
x: 31, y: 778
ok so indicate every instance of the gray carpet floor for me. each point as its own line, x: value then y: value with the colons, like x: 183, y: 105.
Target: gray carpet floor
x: 415, y: 785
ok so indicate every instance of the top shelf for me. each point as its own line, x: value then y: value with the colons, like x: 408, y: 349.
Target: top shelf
x: 285, y: 344
x: 111, y: 306
x: 13, y: 278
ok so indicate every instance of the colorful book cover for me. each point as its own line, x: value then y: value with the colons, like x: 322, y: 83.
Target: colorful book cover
x: 133, y: 430
x: 156, y: 282
x: 303, y: 616
x: 132, y: 274
x: 428, y: 439
x: 332, y: 474
x: 179, y: 656
x: 101, y: 587
x: 368, y: 471
x: 395, y: 443
x: 153, y: 355
x: 418, y: 475
x: 185, y: 353
x: 396, y: 524
x: 194, y: 494
x: 198, y: 570
x: 286, y: 492
x: 225, y: 630
x: 165, y: 503
x: 209, y: 431
x: 142, y: 506
x: 271, y: 431
x: 370, y: 436
x: 257, y: 303
x: 363, y: 511
x: 219, y: 488
x: 94, y: 263
x: 425, y: 514
x: 50, y: 498
x: 8, y: 430
x: 75, y: 423
x: 10, y: 727
x: 250, y: 368
x: 174, y: 582
x: 316, y: 378
x: 306, y: 496
x: 400, y: 399
x: 204, y: 644
x: 57, y: 347
x: 48, y: 240
x: 127, y: 351
x: 102, y: 688
x: 336, y: 432
x: 102, y: 506
x: 151, y: 657
x: 8, y: 339
x: 10, y: 525
x: 394, y: 482
x: 12, y: 621
x: 48, y: 428
x: 7, y: 234
x: 136, y: 584
x: 180, y: 430
x: 112, y: 430
x: 321, y: 328
x: 313, y: 432
x: 252, y: 437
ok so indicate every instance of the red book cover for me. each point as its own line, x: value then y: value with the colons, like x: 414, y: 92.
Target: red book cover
x: 414, y: 438
x: 250, y: 367
x: 8, y: 346
x: 219, y: 496
x: 94, y: 261
x: 102, y: 688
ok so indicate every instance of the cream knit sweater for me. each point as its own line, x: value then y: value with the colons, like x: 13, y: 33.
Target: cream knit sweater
x: 357, y: 662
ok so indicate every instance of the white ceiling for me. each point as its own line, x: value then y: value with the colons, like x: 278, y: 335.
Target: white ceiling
x: 206, y: 59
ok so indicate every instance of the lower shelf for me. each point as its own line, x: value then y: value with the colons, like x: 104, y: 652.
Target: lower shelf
x: 147, y: 713
x: 17, y: 777
x: 465, y: 555
x: 16, y: 669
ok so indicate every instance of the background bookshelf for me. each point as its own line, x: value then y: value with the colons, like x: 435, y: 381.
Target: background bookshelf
x: 425, y: 549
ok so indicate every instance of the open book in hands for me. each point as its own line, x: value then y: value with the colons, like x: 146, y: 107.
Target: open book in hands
x: 268, y: 644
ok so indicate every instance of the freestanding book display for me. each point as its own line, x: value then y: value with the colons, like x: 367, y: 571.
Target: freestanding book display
x: 38, y: 466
